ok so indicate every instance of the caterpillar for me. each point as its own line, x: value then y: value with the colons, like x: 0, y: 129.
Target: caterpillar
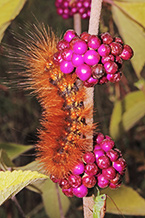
x: 64, y: 135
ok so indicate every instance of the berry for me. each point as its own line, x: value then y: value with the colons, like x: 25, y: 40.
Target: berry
x: 106, y: 38
x: 62, y: 44
x: 69, y: 35
x: 99, y: 138
x: 104, y: 50
x: 117, y: 39
x: 111, y: 67
x: 66, y: 54
x: 103, y: 162
x: 57, y: 58
x: 99, y: 153
x: 127, y: 52
x: 117, y: 179
x: 107, y: 58
x: 68, y: 192
x: 91, y: 57
x: 74, y: 180
x: 77, y: 60
x: 112, y: 154
x: 89, y: 157
x: 120, y: 165
x: 114, y: 186
x: 54, y: 179
x: 66, y: 67
x: 97, y: 147
x: 91, y: 169
x: 107, y: 144
x: 81, y: 191
x: 116, y: 48
x: 90, y: 82
x: 83, y: 72
x: 63, y: 183
x: 102, y: 181
x: 78, y: 169
x: 94, y: 42
x: 109, y: 173
x: 114, y: 77
x: 89, y: 181
x: 98, y: 71
x: 85, y: 36
x: 79, y: 46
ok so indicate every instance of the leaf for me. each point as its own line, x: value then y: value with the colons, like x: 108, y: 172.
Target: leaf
x: 127, y: 200
x: 50, y: 200
x: 14, y: 150
x: 133, y: 35
x: 9, y: 9
x: 13, y: 182
x: 127, y: 113
x: 5, y: 162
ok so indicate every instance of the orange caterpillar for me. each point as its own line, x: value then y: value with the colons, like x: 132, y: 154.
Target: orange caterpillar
x: 62, y: 138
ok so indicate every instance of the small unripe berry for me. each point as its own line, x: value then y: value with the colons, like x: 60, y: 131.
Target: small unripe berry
x: 63, y: 183
x: 106, y: 38
x: 74, y: 180
x: 109, y: 173
x: 110, y: 67
x: 103, y: 162
x: 68, y: 192
x: 98, y: 71
x: 89, y: 157
x: 127, y: 52
x: 116, y: 48
x: 91, y: 169
x: 89, y: 181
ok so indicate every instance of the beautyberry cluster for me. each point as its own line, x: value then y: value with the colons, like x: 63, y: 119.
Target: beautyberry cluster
x: 67, y: 8
x: 95, y: 59
x: 104, y: 167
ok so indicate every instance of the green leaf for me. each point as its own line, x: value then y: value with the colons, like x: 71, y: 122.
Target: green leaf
x: 133, y: 35
x: 127, y: 113
x: 127, y: 200
x: 50, y: 200
x: 5, y: 161
x: 9, y: 9
x: 14, y: 150
x: 13, y: 182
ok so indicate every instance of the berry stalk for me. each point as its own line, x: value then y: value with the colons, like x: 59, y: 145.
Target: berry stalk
x: 96, y: 6
x: 77, y: 23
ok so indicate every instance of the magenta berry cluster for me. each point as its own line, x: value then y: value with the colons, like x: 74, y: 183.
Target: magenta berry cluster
x: 104, y: 167
x: 94, y: 59
x: 67, y: 8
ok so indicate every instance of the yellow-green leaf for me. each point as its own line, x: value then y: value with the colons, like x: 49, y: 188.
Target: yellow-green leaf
x: 14, y: 150
x: 50, y: 199
x: 132, y: 35
x: 127, y: 113
x: 9, y: 9
x: 127, y: 200
x: 13, y: 182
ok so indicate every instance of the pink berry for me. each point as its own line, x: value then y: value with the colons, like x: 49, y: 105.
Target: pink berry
x: 97, y: 147
x: 114, y: 186
x: 107, y: 58
x: 83, y: 72
x: 77, y: 60
x: 112, y: 154
x: 89, y: 157
x: 54, y: 179
x: 98, y: 153
x: 111, y: 67
x: 79, y: 46
x: 81, y: 191
x: 91, y: 169
x: 103, y: 162
x: 113, y: 78
x: 68, y: 192
x: 63, y: 183
x: 107, y: 144
x: 94, y: 42
x: 120, y: 165
x: 90, y: 82
x: 127, y: 52
x: 91, y: 57
x: 66, y: 54
x: 109, y: 173
x: 99, y: 138
x: 103, y: 80
x: 85, y: 36
x: 117, y: 179
x: 69, y: 35
x: 74, y: 180
x: 62, y: 44
x: 102, y: 181
x: 57, y: 58
x: 89, y: 181
x: 104, y: 50
x: 98, y: 71
x: 116, y: 48
x: 66, y: 67
x: 78, y: 169
x: 119, y: 40
x: 106, y: 38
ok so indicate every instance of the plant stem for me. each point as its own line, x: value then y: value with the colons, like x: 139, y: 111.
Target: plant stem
x: 77, y: 23
x: 59, y: 202
x: 14, y: 199
x: 96, y: 6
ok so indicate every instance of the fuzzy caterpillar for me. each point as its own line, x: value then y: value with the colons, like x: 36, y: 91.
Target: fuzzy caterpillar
x: 64, y: 136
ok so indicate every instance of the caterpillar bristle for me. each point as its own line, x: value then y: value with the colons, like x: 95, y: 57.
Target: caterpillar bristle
x: 62, y: 137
